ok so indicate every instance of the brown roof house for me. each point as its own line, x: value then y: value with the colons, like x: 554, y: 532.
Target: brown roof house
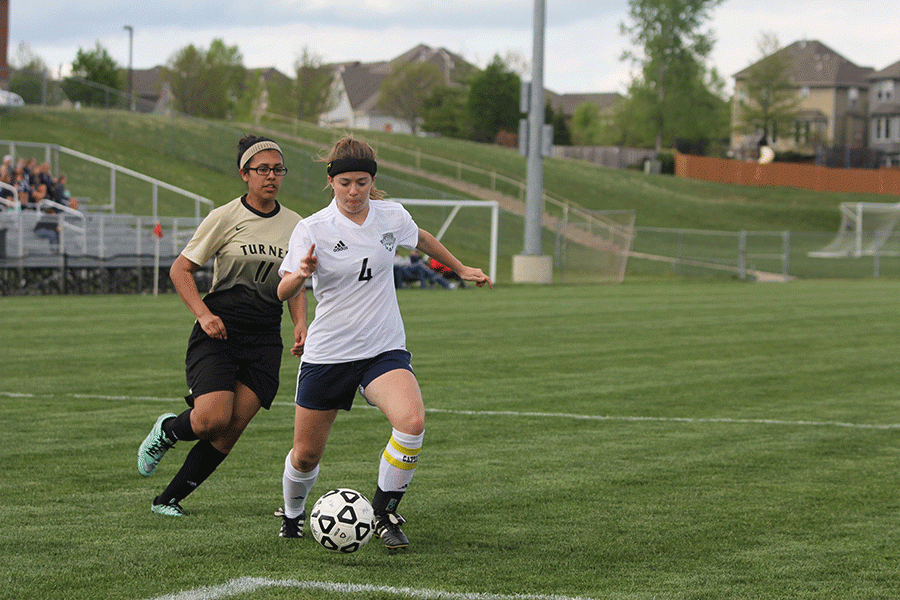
x: 357, y: 86
x: 832, y: 97
x: 884, y: 113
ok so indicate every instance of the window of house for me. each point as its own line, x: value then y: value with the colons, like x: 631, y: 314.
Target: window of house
x: 804, y: 92
x: 884, y: 90
x: 802, y: 130
x: 854, y: 96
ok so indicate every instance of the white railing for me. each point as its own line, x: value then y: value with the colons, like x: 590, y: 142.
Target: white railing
x: 114, y: 171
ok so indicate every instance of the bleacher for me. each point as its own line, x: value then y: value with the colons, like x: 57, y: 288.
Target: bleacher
x: 97, y: 252
x: 100, y: 249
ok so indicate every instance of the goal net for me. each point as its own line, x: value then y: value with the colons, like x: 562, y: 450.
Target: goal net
x: 471, y: 229
x: 866, y: 228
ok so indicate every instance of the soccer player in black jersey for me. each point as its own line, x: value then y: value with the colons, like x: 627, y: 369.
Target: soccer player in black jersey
x: 234, y: 351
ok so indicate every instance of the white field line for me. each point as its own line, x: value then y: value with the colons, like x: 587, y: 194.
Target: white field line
x: 246, y: 585
x: 512, y: 413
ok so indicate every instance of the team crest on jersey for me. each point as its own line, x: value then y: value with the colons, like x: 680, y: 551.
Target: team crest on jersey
x: 388, y: 241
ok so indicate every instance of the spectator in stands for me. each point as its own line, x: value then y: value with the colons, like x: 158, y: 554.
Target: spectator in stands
x: 23, y: 186
x: 45, y: 178
x: 41, y: 183
x: 61, y: 194
x: 6, y: 168
x: 5, y: 193
x: 47, y: 228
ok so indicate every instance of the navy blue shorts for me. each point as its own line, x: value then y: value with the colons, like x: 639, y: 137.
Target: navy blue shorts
x: 331, y: 387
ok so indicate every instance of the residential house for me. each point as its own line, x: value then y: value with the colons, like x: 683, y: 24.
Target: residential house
x: 833, y: 96
x: 567, y: 103
x: 149, y: 87
x: 153, y: 94
x: 357, y: 86
x: 884, y: 113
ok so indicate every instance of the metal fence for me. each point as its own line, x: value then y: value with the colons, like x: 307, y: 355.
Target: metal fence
x: 752, y: 255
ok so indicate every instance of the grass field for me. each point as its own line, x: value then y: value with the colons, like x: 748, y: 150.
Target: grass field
x: 688, y: 440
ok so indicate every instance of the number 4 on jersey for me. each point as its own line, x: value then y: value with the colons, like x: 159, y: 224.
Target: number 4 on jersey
x: 365, y: 273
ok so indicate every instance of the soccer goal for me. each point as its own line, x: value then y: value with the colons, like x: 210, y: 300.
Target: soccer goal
x: 866, y: 228
x: 438, y: 215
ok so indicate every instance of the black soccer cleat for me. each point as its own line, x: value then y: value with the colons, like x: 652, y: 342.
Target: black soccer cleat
x: 387, y: 528
x: 290, y: 528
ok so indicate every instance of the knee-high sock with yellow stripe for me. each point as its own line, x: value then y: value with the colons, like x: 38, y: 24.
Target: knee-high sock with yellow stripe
x: 396, y: 470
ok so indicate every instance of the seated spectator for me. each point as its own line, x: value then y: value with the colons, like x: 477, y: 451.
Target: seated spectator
x: 7, y: 178
x: 45, y: 179
x: 39, y: 189
x: 446, y: 271
x: 23, y: 187
x: 6, y: 168
x: 62, y: 195
x: 47, y: 228
x: 413, y: 268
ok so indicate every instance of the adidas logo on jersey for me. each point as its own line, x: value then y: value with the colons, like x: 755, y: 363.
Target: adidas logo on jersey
x: 340, y: 246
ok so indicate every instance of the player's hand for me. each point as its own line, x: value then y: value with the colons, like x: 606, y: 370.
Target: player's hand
x: 213, y: 326
x: 299, y: 341
x: 476, y: 276
x: 309, y: 263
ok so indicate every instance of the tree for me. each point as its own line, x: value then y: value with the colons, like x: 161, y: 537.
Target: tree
x: 769, y: 100
x: 562, y: 134
x: 586, y: 125
x: 405, y: 90
x: 674, y: 51
x: 444, y: 111
x: 493, y: 101
x: 207, y: 82
x: 95, y: 75
x: 312, y: 93
x: 29, y: 73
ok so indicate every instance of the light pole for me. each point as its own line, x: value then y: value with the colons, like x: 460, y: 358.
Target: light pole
x: 532, y: 266
x: 130, y: 30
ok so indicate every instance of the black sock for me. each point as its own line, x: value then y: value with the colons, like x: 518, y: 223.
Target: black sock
x: 200, y: 463
x: 385, y: 502
x: 179, y: 428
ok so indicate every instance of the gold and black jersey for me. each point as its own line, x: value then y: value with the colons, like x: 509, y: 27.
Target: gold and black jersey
x: 248, y: 247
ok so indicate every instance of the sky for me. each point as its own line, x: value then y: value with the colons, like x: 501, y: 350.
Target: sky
x: 583, y: 42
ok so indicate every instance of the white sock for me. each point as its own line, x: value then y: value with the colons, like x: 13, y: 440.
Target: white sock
x: 296, y: 486
x: 399, y: 460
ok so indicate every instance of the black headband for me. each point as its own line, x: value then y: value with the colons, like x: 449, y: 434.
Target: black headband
x: 348, y: 165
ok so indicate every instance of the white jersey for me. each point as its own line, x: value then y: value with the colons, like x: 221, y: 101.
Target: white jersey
x: 357, y: 315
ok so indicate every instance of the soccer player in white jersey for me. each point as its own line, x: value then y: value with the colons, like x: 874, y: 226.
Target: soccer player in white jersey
x: 234, y: 352
x: 357, y: 339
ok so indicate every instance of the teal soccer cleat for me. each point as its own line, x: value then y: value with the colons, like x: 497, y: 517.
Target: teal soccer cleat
x: 153, y: 448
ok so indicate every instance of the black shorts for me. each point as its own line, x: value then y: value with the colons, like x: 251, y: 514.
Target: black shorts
x: 254, y: 359
x: 330, y: 387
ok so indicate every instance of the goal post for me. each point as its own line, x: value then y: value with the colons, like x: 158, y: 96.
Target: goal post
x: 865, y: 229
x: 449, y: 212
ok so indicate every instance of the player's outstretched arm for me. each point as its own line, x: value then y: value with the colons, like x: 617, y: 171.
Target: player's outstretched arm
x: 435, y: 249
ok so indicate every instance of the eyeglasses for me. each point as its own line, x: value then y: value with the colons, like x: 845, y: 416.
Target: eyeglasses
x: 264, y: 170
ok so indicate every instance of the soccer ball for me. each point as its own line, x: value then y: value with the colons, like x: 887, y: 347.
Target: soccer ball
x: 342, y: 520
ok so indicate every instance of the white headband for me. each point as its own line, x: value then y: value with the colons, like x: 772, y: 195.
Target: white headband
x: 256, y: 149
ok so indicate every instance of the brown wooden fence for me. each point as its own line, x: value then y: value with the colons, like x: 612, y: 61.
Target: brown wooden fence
x: 825, y: 179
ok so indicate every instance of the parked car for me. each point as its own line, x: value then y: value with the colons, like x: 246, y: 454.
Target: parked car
x: 10, y: 99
